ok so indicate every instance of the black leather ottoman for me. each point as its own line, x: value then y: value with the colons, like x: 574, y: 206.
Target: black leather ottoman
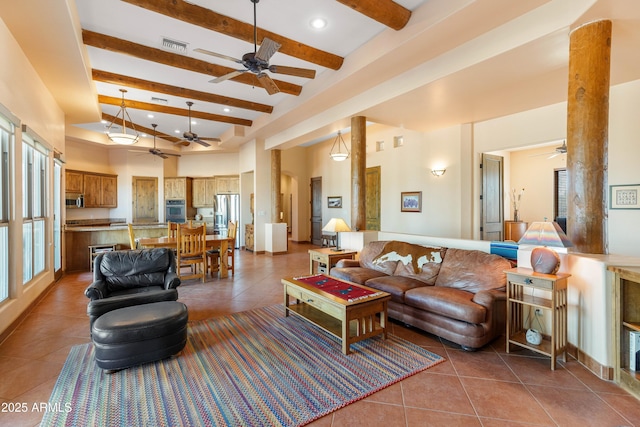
x: 139, y: 334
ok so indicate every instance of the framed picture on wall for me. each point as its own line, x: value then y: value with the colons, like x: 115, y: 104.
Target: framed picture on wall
x: 334, y: 201
x: 411, y: 201
x: 624, y: 196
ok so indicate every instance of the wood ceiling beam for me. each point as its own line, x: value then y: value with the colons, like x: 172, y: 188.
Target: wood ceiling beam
x: 386, y: 12
x: 132, y: 82
x: 206, y: 18
x: 148, y: 131
x: 113, y: 44
x: 147, y: 106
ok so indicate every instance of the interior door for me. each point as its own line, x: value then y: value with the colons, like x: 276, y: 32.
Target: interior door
x: 145, y: 199
x: 492, y: 198
x: 372, y: 188
x: 316, y: 211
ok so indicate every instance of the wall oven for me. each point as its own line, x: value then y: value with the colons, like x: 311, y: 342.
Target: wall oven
x: 176, y: 211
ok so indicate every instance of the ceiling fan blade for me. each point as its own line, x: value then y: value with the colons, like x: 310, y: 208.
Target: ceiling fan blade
x: 219, y: 55
x: 227, y: 76
x: 211, y: 139
x: 293, y: 71
x: 201, y: 142
x: 267, y: 48
x: 184, y: 143
x: 268, y: 84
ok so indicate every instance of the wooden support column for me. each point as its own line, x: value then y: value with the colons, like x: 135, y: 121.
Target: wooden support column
x: 587, y: 136
x: 276, y: 201
x: 358, y: 170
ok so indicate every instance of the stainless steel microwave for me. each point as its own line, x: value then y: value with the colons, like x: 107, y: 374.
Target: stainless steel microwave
x: 74, y: 200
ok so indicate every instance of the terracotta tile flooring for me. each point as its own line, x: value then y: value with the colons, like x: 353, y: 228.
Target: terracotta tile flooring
x: 486, y: 388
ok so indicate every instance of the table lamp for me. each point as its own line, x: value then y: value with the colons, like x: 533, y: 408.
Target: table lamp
x: 544, y: 234
x: 336, y: 225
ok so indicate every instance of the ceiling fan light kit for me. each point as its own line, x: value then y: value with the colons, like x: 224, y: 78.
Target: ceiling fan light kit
x: 123, y: 138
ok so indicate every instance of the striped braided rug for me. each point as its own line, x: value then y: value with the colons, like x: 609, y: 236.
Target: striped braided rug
x: 255, y: 368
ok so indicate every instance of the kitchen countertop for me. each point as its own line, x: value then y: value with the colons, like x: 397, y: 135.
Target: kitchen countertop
x: 112, y: 227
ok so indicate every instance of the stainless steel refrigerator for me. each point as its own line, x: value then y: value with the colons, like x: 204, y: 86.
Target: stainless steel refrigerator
x: 227, y: 208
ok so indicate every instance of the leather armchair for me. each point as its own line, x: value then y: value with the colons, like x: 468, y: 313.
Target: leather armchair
x: 127, y: 278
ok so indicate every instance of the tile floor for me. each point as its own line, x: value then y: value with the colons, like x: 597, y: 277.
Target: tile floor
x: 486, y: 388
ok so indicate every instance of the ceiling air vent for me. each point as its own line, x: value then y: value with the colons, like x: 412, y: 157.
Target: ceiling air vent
x: 176, y: 45
x: 159, y: 100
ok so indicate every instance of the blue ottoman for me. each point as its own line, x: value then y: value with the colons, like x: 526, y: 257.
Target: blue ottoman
x: 139, y: 334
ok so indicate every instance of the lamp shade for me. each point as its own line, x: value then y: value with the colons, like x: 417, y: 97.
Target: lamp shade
x: 544, y: 234
x: 336, y: 225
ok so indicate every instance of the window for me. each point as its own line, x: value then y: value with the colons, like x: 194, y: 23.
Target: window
x: 34, y: 207
x: 6, y: 138
x: 560, y: 197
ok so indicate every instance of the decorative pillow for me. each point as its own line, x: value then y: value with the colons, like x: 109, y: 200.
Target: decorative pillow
x: 423, y: 264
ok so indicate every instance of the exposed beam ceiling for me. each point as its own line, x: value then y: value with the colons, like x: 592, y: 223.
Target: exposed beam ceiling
x: 132, y: 82
x: 206, y: 18
x: 146, y: 106
x: 386, y: 12
x: 113, y: 44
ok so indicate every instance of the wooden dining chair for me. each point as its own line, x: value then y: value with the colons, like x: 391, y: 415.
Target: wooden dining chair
x: 172, y: 229
x: 192, y: 252
x: 133, y: 242
x: 233, y: 229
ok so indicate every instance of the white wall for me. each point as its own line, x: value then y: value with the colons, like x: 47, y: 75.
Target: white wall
x: 25, y: 96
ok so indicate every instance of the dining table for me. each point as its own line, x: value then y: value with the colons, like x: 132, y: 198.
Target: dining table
x: 213, y: 241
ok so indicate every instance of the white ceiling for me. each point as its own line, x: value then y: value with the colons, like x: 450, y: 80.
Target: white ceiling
x: 456, y: 61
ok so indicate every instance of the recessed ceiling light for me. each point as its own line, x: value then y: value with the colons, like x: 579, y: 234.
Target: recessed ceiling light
x: 150, y: 116
x: 226, y: 109
x: 104, y: 122
x: 177, y: 131
x: 193, y: 122
x: 318, y: 23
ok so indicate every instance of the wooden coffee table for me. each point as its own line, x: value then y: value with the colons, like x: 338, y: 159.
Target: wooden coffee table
x: 350, y: 320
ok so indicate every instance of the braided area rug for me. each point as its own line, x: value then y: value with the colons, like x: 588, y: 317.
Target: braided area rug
x: 255, y: 368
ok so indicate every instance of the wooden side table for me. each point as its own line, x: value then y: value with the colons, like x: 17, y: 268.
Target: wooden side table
x: 514, y: 230
x: 329, y: 257
x: 521, y: 286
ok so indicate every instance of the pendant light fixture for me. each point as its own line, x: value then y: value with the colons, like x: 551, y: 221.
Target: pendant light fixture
x: 336, y: 152
x: 123, y: 138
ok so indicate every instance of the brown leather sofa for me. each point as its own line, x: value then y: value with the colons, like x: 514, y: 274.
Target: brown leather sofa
x: 456, y: 294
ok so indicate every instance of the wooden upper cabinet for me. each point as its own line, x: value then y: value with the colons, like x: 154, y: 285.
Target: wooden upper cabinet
x: 109, y: 191
x: 204, y: 192
x: 100, y: 190
x: 227, y: 185
x: 178, y: 188
x: 74, y: 181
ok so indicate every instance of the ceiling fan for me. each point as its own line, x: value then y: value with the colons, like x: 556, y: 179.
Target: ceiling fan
x: 156, y: 151
x: 192, y: 136
x: 558, y: 150
x: 257, y: 62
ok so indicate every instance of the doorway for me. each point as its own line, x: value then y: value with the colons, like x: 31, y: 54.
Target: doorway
x: 316, y: 211
x: 372, y: 188
x: 145, y: 199
x: 492, y: 215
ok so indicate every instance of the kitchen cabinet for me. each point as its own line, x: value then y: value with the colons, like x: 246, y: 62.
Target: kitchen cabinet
x: 178, y: 188
x: 74, y: 181
x: 99, y: 190
x: 228, y: 184
x: 204, y: 192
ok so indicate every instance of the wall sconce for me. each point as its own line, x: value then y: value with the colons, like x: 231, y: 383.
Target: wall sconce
x: 438, y: 172
x: 337, y: 154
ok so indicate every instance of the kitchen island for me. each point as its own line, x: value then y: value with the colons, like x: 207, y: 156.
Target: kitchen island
x: 78, y: 237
